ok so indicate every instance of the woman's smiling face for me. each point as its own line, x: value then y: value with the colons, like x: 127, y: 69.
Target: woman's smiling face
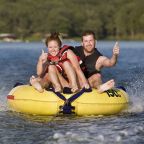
x: 53, y: 48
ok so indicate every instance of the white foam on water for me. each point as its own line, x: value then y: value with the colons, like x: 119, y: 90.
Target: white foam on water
x: 77, y: 137
x: 136, y: 96
x: 58, y: 136
x: 122, y: 135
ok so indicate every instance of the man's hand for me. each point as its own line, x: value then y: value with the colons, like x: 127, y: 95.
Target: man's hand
x: 116, y: 49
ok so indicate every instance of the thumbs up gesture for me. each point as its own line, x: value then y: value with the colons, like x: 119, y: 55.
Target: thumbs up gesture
x: 43, y: 57
x: 116, y: 49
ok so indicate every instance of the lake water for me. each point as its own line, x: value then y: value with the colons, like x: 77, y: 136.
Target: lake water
x: 18, y: 63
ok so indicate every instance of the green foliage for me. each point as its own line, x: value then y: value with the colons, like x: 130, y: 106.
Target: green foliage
x: 107, y: 18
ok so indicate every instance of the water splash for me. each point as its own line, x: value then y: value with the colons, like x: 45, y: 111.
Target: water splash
x: 136, y: 93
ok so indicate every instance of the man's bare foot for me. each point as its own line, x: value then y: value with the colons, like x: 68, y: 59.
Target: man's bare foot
x: 36, y: 84
x: 106, y: 86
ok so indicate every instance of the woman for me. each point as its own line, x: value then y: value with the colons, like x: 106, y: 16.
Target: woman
x: 63, y: 67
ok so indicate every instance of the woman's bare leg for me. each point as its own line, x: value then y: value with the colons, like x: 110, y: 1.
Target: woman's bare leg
x: 35, y: 83
x: 63, y: 81
x: 53, y: 75
x: 45, y: 81
x: 81, y: 77
x: 71, y: 76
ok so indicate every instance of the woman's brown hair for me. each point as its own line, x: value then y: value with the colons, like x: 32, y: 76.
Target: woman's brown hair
x: 53, y: 36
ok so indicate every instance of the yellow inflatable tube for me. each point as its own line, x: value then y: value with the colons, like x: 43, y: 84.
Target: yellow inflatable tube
x: 26, y: 99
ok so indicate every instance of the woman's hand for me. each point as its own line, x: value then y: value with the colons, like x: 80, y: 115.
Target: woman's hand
x: 43, y: 57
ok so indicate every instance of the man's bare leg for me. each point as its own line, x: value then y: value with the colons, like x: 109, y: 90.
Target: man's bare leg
x: 106, y: 86
x: 96, y: 82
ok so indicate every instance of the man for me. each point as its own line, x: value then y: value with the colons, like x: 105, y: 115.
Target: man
x: 94, y: 61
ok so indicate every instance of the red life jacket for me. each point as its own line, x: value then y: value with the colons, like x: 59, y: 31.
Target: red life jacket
x: 62, y: 57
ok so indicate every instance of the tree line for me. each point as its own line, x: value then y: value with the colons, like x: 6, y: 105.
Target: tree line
x: 118, y: 19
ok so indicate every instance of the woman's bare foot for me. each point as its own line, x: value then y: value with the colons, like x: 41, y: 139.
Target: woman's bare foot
x: 36, y: 84
x: 58, y: 89
x: 74, y: 89
x: 86, y: 86
x: 106, y: 86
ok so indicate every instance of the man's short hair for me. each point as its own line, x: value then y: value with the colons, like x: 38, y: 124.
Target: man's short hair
x: 88, y: 32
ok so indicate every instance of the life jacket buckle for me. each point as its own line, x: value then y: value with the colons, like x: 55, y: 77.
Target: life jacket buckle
x: 53, y: 62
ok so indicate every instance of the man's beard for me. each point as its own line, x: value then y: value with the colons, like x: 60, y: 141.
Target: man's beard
x: 89, y: 49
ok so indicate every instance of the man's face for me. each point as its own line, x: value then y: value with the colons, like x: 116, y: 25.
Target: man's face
x: 88, y: 43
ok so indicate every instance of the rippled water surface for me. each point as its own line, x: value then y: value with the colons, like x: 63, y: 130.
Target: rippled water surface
x: 18, y: 63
